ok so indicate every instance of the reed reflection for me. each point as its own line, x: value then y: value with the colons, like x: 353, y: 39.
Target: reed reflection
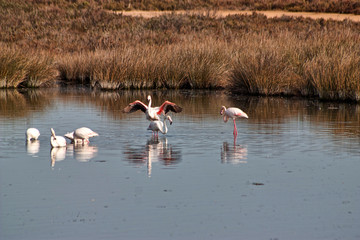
x: 343, y: 117
x: 32, y: 147
x: 156, y: 149
x: 15, y: 103
x: 234, y: 154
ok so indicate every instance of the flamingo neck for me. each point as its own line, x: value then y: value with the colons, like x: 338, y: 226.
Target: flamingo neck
x: 165, y: 129
x: 149, y: 106
x: 53, y: 133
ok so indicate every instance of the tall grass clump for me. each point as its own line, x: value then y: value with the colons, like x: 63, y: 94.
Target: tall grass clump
x: 188, y: 65
x: 41, y: 71
x: 335, y: 75
x: 12, y: 68
x: 267, y: 66
x: 324, y: 65
x: 19, y: 68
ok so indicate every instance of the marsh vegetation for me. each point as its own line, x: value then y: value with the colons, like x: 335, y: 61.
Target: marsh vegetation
x: 44, y: 42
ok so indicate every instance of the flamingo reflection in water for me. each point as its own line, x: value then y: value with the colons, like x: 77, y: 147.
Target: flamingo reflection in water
x: 57, y: 154
x: 155, y: 150
x: 82, y: 153
x: 32, y: 147
x: 233, y: 154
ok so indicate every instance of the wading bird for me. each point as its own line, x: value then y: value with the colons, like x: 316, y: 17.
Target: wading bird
x: 157, y: 126
x: 152, y: 113
x: 83, y: 134
x: 57, y: 141
x: 233, y: 113
x: 32, y: 134
x: 70, y: 136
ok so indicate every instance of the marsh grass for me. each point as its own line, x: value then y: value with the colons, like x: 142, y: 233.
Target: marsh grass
x: 79, y: 42
x: 189, y: 65
x: 266, y: 67
x: 335, y: 75
x: 25, y: 69
x: 326, y: 68
x: 12, y: 68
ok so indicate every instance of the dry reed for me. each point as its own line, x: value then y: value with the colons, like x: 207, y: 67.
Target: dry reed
x: 82, y: 43
x: 193, y: 65
x: 25, y: 69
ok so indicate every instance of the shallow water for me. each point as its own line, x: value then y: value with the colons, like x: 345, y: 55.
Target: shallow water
x: 291, y: 174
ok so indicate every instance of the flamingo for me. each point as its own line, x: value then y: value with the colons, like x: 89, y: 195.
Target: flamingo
x: 57, y: 141
x: 32, y: 134
x: 152, y: 113
x: 233, y: 113
x: 157, y: 126
x: 70, y: 136
x: 83, y: 134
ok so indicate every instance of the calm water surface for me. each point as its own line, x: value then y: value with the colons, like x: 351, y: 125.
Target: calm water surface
x: 293, y: 172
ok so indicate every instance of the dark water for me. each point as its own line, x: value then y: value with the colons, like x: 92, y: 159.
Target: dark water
x: 293, y: 172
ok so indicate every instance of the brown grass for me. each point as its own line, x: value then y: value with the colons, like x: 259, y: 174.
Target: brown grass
x: 81, y: 42
x: 25, y: 69
x: 192, y: 65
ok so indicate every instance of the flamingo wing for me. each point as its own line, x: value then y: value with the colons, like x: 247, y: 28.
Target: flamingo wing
x: 169, y: 106
x: 134, y: 106
x: 236, y: 113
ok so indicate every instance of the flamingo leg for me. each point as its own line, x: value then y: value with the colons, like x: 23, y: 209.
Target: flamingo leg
x: 235, y: 129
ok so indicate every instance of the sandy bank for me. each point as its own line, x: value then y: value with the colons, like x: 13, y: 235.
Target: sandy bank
x: 270, y: 14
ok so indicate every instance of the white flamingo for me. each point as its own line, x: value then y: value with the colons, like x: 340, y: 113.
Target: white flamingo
x: 157, y: 126
x: 32, y: 134
x: 152, y: 113
x: 83, y: 134
x: 233, y: 113
x: 57, y: 141
x: 70, y: 136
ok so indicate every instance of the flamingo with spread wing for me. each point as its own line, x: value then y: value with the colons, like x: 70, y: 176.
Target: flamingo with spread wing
x: 152, y: 113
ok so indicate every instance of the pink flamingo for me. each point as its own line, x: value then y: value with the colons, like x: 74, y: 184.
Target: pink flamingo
x: 57, y: 141
x: 32, y: 134
x: 157, y: 126
x: 152, y: 113
x: 233, y: 113
x: 83, y: 134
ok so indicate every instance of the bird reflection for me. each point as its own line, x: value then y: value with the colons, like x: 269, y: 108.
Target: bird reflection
x: 57, y: 155
x: 155, y: 150
x: 233, y: 154
x: 82, y: 153
x: 33, y: 147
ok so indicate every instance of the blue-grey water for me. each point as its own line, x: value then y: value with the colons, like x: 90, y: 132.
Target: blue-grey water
x: 293, y: 172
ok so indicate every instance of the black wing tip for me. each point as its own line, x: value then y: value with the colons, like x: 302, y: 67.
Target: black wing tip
x: 177, y: 109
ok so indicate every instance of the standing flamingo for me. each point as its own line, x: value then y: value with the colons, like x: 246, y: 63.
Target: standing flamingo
x: 57, y: 141
x: 233, y: 113
x: 32, y: 134
x: 152, y: 113
x: 70, y: 136
x: 84, y: 134
x: 157, y: 126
